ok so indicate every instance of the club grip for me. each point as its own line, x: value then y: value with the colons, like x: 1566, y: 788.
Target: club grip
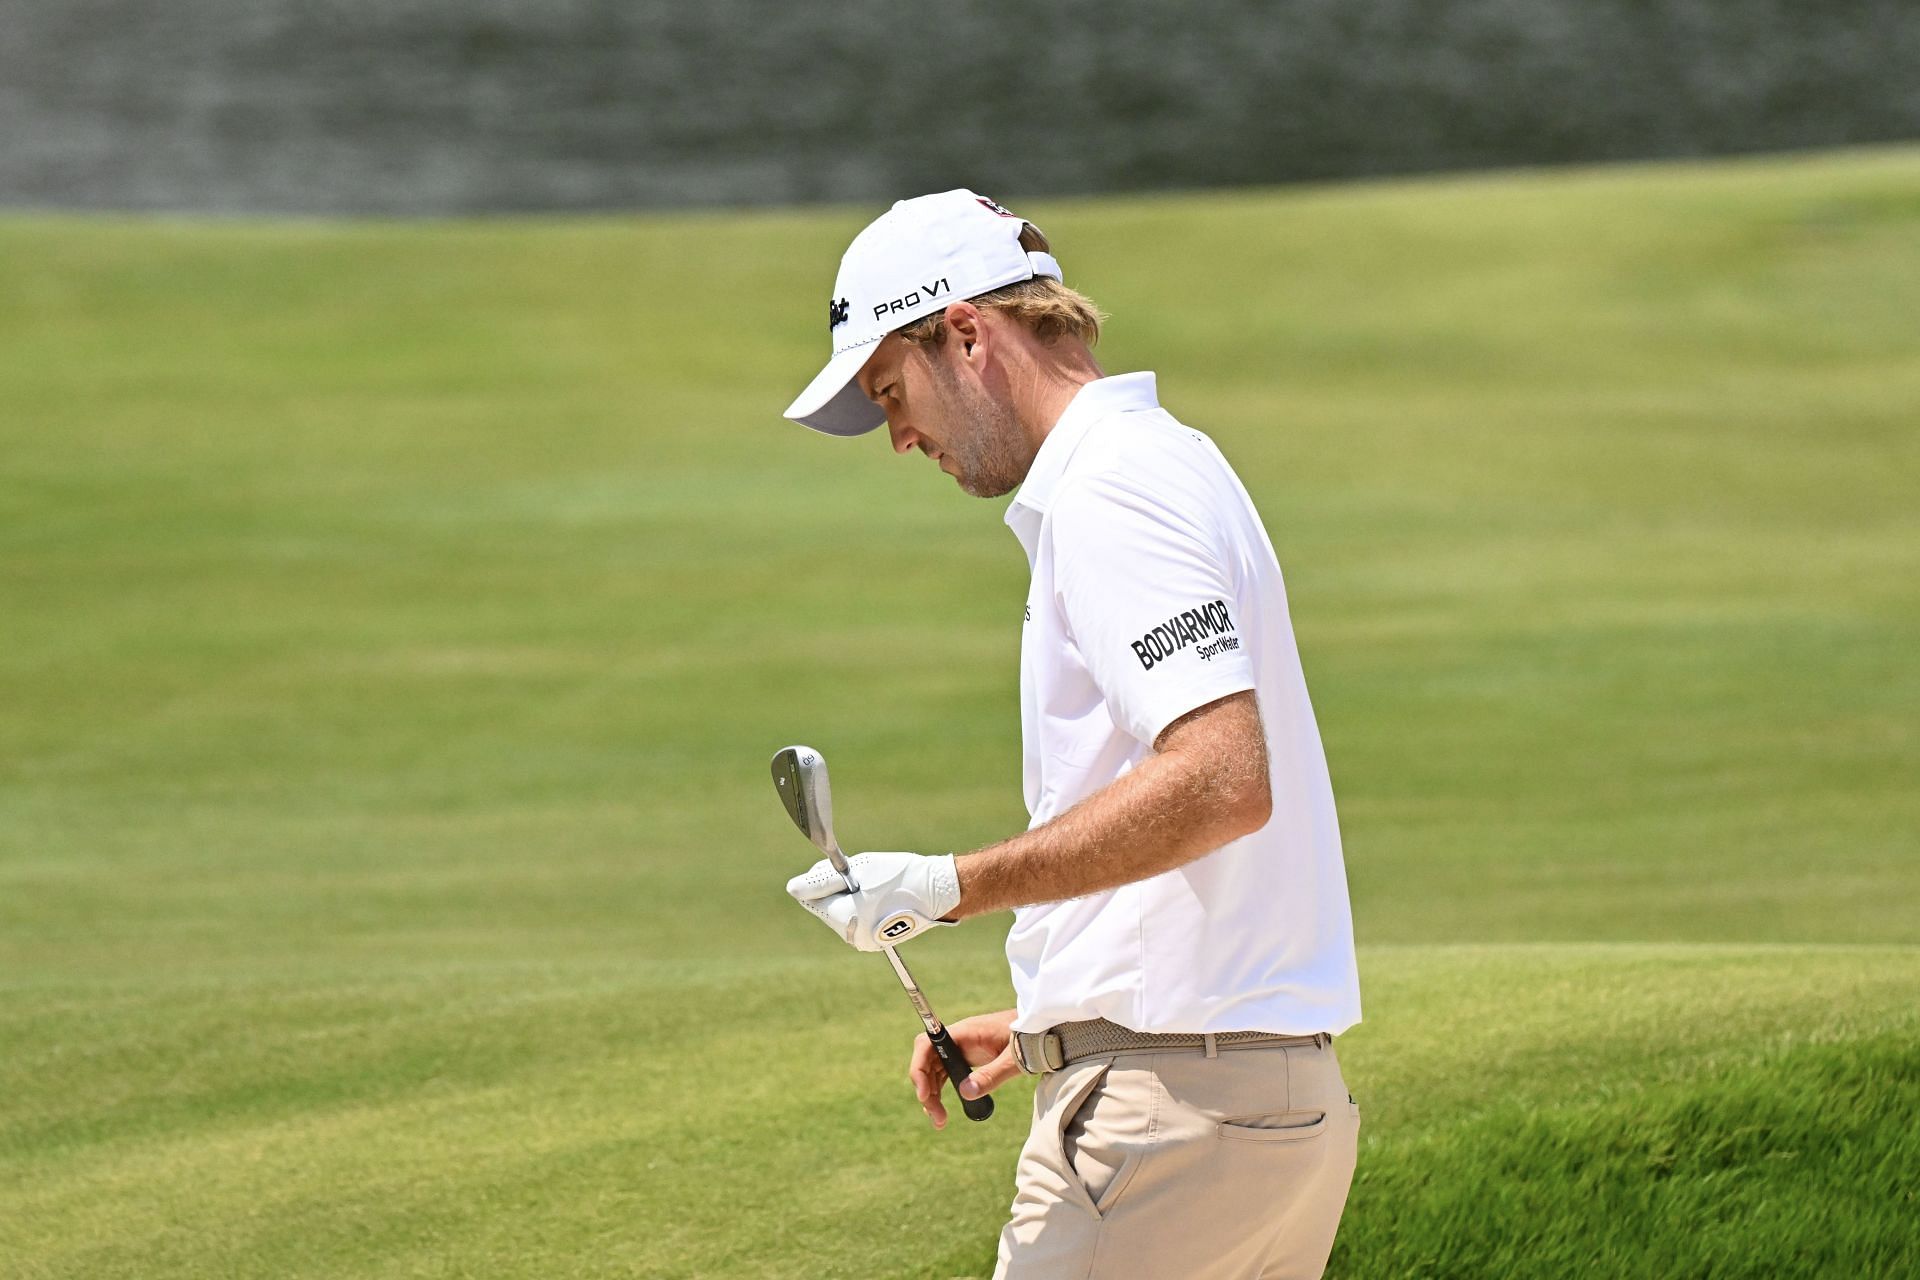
x: 957, y: 1070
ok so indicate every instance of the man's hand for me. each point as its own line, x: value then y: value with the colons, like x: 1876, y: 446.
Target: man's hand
x: 901, y: 896
x: 986, y: 1040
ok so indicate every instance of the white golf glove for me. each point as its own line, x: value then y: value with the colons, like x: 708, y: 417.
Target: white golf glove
x: 901, y: 896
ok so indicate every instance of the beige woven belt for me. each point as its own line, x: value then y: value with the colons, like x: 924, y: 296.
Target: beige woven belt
x: 1039, y: 1051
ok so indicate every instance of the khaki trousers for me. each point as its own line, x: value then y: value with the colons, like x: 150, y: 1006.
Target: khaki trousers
x: 1179, y: 1166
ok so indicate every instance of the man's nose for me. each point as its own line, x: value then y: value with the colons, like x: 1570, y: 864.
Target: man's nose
x: 904, y: 436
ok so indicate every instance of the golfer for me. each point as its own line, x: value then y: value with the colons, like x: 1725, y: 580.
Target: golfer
x: 1182, y: 945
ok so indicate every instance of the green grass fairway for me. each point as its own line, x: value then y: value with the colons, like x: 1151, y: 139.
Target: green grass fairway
x: 396, y: 621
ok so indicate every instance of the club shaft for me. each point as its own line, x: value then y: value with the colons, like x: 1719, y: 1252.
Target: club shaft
x: 914, y: 993
x: 839, y: 861
x: 952, y: 1060
x: 920, y: 1005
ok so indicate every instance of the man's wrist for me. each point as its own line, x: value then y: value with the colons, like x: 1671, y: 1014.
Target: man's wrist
x: 975, y: 873
x: 966, y: 867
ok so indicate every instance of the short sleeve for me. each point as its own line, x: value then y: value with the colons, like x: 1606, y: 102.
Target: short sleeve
x: 1147, y: 589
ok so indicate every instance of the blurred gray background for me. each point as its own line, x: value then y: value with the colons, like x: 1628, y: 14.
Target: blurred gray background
x: 448, y: 106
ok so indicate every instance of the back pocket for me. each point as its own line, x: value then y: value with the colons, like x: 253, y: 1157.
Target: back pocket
x: 1281, y: 1126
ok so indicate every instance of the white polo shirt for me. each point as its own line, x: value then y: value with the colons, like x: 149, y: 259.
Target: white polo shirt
x: 1155, y: 591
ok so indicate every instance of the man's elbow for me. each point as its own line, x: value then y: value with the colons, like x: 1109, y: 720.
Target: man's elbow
x: 1221, y: 753
x: 1251, y: 805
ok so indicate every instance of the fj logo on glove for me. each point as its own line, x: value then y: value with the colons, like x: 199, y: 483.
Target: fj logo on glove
x: 1189, y: 626
x: 897, y: 928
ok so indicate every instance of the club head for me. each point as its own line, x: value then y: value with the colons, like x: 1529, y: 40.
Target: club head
x: 800, y: 776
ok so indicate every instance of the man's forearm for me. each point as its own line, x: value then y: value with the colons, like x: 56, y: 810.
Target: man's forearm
x: 1176, y: 806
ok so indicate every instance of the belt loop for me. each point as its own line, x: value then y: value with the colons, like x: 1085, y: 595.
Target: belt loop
x: 1213, y: 1047
x: 1053, y: 1050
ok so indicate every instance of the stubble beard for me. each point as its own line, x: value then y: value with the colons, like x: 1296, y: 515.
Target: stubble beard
x: 994, y: 457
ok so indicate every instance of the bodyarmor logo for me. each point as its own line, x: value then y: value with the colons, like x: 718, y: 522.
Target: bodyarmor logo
x: 836, y: 313
x: 1188, y: 627
x: 998, y: 208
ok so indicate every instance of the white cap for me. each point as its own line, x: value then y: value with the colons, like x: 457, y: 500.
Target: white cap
x: 917, y: 258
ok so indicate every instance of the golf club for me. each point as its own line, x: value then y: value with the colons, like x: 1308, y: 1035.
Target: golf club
x: 800, y: 775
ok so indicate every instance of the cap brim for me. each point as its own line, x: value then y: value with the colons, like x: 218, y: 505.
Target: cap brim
x: 833, y: 402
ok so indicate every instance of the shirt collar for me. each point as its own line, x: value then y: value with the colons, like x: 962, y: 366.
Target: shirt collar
x: 1122, y: 393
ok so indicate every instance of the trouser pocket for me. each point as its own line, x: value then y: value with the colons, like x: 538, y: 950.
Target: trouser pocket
x: 1285, y: 1126
x: 1104, y: 1135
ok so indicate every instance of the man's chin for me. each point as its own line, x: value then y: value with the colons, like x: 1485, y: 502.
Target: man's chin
x: 984, y: 489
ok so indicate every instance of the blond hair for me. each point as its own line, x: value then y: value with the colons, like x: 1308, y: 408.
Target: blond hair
x: 1042, y: 304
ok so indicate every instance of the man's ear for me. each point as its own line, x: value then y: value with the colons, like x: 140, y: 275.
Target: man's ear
x: 963, y: 322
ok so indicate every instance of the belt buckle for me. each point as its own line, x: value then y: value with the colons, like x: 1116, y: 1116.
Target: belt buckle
x: 1038, y: 1052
